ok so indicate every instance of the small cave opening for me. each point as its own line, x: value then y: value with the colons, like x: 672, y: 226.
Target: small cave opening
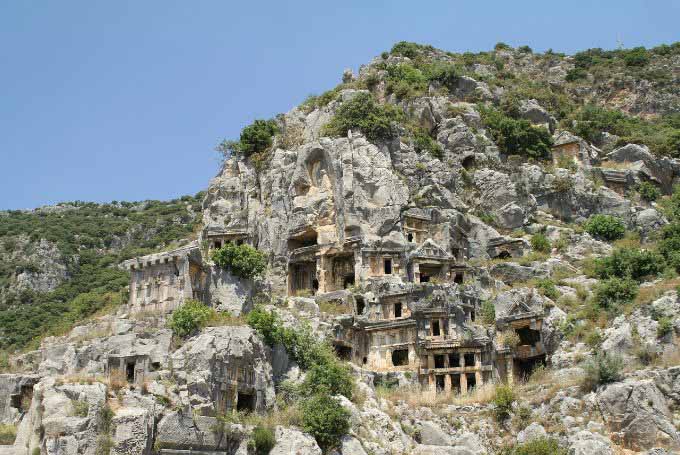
x: 469, y: 359
x: 397, y: 310
x: 504, y: 255
x: 246, y: 402
x: 400, y: 357
x: 361, y: 305
x: 468, y: 162
x: 454, y: 360
x: 435, y: 329
x: 439, y: 361
x: 130, y: 371
x: 441, y: 381
x: 343, y: 352
x: 471, y: 381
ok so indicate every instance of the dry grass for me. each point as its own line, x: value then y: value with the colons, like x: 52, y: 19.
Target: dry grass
x: 223, y: 318
x: 8, y: 434
x: 648, y: 294
x: 420, y: 397
x: 79, y: 379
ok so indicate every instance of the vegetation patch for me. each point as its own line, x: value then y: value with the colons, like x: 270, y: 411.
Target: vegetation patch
x: 189, y: 318
x: 242, y: 260
x: 517, y: 136
x: 374, y: 120
x: 605, y: 227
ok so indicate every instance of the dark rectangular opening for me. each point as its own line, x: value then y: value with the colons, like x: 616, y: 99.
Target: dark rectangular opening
x: 435, y: 328
x: 218, y: 244
x: 388, y: 266
x: 439, y: 361
x: 470, y: 359
x: 397, y: 310
x: 455, y: 383
x: 440, y: 382
x: 471, y: 381
x: 155, y: 366
x: 454, y: 360
x: 361, y: 305
x: 424, y: 278
x: 343, y: 352
x: 348, y: 281
x: 528, y: 336
x: 400, y: 357
x: 239, y: 242
x: 458, y: 278
x: 130, y: 371
x: 246, y: 402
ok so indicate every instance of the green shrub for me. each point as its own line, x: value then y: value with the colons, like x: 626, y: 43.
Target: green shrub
x: 576, y: 74
x: 488, y: 312
x: 424, y: 143
x: 648, y: 191
x: 637, y: 56
x: 242, y: 260
x: 605, y: 227
x: 408, y: 49
x: 503, y: 399
x: 263, y: 440
x: 547, y: 288
x: 540, y: 243
x: 525, y: 49
x: 80, y: 408
x: 364, y: 114
x: 501, y: 46
x: 517, y: 136
x: 266, y: 324
x: 332, y: 378
x: 602, y: 369
x: 324, y: 418
x: 540, y: 446
x: 189, y: 318
x: 665, y: 326
x: 257, y: 137
x: 630, y: 263
x: 613, y: 292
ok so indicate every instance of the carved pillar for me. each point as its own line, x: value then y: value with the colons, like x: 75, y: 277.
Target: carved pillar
x: 508, y: 370
x: 463, y: 384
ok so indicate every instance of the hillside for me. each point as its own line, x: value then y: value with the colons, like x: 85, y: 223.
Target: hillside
x: 59, y: 262
x: 467, y: 254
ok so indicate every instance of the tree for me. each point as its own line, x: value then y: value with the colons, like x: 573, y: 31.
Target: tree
x: 324, y: 418
x: 189, y: 318
x: 243, y: 260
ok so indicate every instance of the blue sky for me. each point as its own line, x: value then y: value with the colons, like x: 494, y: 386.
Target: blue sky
x: 125, y: 100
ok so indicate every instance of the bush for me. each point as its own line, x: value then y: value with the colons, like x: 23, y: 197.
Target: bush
x: 637, y: 56
x: 576, y: 74
x: 324, y: 418
x: 630, y: 263
x: 540, y: 243
x: 602, y: 369
x: 189, y: 318
x: 503, y: 399
x: 517, y: 137
x: 615, y: 291
x: 605, y: 227
x: 665, y: 326
x: 539, y: 446
x: 364, y: 114
x: 509, y: 339
x: 488, y: 312
x: 648, y: 191
x: 263, y: 440
x: 257, y: 137
x: 266, y: 324
x: 332, y: 378
x: 424, y: 143
x: 547, y: 288
x: 243, y: 260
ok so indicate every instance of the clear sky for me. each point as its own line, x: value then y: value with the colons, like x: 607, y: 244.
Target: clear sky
x: 125, y: 100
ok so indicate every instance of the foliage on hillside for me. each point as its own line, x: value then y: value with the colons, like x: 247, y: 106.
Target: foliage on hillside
x: 94, y: 238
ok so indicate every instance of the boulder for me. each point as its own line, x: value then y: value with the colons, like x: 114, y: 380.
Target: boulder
x: 587, y: 443
x: 638, y: 415
x: 290, y: 441
x: 533, y: 431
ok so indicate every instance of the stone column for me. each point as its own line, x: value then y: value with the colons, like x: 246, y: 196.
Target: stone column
x: 508, y: 370
x: 478, y: 365
x: 447, y: 383
x: 463, y: 384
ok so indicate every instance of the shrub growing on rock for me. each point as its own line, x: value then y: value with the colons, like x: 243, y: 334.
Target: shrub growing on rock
x: 615, y: 291
x: 488, y: 312
x: 189, y: 318
x: 540, y: 243
x: 539, y: 446
x: 324, y: 418
x: 517, y: 136
x: 257, y: 136
x: 263, y: 440
x: 333, y: 378
x: 648, y: 191
x: 605, y: 227
x: 602, y: 369
x: 243, y: 260
x: 503, y: 399
x: 630, y: 263
x: 363, y: 113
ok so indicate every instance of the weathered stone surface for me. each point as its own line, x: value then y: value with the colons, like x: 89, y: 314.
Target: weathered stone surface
x: 294, y: 442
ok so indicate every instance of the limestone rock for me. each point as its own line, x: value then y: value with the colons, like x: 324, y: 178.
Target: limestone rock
x: 290, y: 441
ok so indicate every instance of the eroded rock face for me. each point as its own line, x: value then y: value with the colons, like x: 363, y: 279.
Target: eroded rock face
x: 220, y: 361
x: 637, y: 413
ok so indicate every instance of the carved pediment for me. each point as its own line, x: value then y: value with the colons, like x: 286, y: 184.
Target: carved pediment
x: 430, y: 250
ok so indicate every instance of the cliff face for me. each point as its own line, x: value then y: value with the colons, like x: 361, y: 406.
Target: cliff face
x: 448, y: 224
